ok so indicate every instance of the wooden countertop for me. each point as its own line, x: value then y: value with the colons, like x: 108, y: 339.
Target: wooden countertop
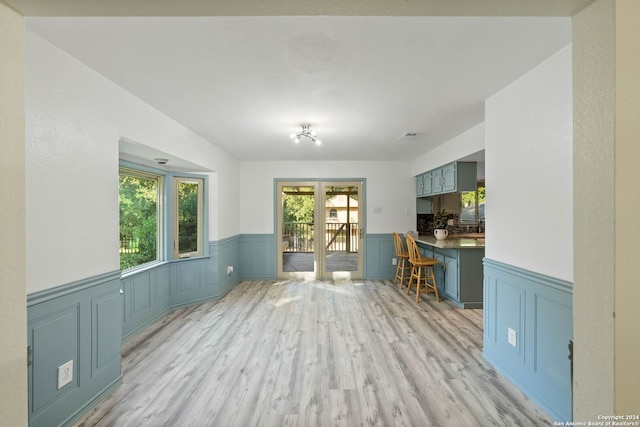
x: 454, y: 241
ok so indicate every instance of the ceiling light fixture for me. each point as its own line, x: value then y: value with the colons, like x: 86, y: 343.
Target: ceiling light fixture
x: 306, y: 132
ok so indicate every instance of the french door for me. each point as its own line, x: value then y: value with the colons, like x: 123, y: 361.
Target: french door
x: 320, y: 231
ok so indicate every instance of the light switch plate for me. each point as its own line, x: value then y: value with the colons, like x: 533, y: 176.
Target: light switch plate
x: 65, y: 374
x: 512, y: 337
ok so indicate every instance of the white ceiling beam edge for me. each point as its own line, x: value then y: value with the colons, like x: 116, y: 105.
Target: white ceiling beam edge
x: 298, y: 7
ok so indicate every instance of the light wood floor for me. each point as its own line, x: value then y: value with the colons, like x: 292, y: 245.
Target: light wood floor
x: 316, y: 353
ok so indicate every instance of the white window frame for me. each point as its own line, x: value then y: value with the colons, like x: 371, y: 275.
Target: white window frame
x: 160, y: 239
x: 176, y: 218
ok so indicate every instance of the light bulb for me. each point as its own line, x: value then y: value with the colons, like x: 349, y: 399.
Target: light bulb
x: 296, y: 140
x: 292, y: 135
x: 318, y: 142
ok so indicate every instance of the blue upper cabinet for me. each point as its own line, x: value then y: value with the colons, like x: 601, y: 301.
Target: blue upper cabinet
x: 436, y: 181
x: 450, y: 178
x: 427, y: 179
x: 419, y: 186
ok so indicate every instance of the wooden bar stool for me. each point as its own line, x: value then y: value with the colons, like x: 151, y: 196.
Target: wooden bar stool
x: 422, y: 269
x: 402, y: 259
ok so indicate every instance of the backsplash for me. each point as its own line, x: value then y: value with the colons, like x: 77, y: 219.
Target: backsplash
x: 425, y: 225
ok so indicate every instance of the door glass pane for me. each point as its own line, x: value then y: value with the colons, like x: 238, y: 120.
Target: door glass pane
x: 341, y: 228
x: 298, y: 206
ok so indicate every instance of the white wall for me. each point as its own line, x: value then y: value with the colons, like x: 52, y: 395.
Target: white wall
x: 529, y: 170
x: 389, y: 186
x: 469, y: 142
x: 74, y: 119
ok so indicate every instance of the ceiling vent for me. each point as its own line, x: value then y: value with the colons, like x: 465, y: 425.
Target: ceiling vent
x: 406, y: 135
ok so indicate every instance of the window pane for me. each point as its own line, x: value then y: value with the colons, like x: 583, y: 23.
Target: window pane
x: 138, y: 220
x: 188, y: 217
x: 468, y: 206
x: 472, y: 204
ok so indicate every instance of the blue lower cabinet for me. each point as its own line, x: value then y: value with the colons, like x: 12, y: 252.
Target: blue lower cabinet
x: 439, y: 272
x: 459, y: 275
x: 426, y: 252
x: 451, y: 282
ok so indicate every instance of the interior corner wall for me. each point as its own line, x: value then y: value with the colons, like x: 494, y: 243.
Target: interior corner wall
x: 528, y: 265
x: 75, y: 118
x: 468, y: 142
x: 594, y: 167
x: 390, y: 191
x: 72, y: 167
x: 13, y: 315
x: 528, y: 158
x: 224, y: 197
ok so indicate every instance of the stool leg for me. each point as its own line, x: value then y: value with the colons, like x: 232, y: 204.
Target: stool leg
x: 418, y: 284
x: 433, y: 280
x: 410, y: 278
x: 407, y: 268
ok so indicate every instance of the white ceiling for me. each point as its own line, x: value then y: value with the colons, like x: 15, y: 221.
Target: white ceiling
x: 245, y: 83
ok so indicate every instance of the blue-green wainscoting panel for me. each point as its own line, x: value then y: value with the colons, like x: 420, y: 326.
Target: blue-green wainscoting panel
x: 189, y: 281
x: 106, y: 347
x: 86, y: 321
x: 81, y: 322
x: 539, y: 309
x: 258, y: 256
x: 150, y: 292
x: 225, y: 253
x: 146, y: 295
x: 379, y: 251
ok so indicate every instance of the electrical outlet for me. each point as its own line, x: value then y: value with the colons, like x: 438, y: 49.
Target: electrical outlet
x: 229, y: 270
x: 394, y: 261
x: 511, y: 337
x: 65, y: 374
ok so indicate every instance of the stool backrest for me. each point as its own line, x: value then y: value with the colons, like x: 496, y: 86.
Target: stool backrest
x: 401, y: 251
x: 414, y: 252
